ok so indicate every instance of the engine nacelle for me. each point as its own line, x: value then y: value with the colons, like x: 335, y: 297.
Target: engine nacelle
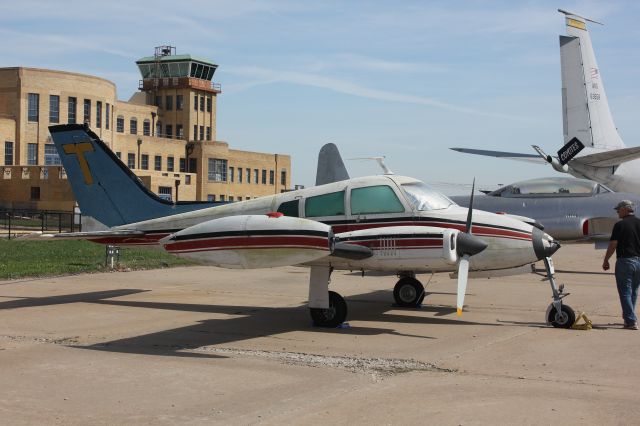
x: 252, y: 241
x: 557, y: 166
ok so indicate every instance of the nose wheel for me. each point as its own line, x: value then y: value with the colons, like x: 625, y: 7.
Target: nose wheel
x: 408, y: 292
x: 559, y: 315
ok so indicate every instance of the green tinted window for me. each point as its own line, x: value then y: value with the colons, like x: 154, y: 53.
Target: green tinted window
x: 325, y: 205
x: 290, y: 208
x: 375, y: 199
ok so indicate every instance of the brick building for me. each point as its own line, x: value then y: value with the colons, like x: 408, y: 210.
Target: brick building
x: 166, y: 133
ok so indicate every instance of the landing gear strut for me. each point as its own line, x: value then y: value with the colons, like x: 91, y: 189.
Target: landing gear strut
x: 408, y: 292
x: 559, y: 315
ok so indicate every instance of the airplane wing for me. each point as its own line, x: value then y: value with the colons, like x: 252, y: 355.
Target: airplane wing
x: 529, y: 158
x: 84, y: 235
x: 609, y: 158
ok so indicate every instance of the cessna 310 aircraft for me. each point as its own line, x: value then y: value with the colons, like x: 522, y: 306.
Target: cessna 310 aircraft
x: 593, y: 147
x: 389, y: 224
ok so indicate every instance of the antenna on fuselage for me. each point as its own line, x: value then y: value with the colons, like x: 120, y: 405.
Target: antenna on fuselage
x: 379, y: 160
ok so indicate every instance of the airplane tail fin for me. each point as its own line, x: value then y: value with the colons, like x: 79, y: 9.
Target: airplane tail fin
x: 331, y: 168
x: 106, y: 190
x: 585, y: 108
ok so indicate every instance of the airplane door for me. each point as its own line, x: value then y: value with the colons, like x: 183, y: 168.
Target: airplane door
x: 374, y: 206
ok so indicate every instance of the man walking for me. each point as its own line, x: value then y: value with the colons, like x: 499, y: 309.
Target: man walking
x: 625, y: 241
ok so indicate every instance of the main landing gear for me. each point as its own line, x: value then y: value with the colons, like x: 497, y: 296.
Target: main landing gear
x: 559, y: 315
x: 327, y: 308
x: 408, y: 292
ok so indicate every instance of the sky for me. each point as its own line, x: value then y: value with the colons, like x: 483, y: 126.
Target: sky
x: 404, y: 79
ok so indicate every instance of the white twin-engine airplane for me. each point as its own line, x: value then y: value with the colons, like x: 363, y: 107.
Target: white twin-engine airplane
x: 593, y: 148
x: 389, y: 224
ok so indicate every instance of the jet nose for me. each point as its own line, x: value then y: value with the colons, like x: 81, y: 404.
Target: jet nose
x: 543, y: 244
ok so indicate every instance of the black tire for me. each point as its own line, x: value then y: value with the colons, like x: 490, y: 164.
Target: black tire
x: 408, y: 292
x: 566, y: 318
x: 332, y: 317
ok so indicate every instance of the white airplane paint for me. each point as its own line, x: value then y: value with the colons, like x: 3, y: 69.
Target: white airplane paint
x: 388, y: 224
x: 587, y: 118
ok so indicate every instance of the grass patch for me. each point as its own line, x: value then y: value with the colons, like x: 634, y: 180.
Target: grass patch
x: 48, y: 258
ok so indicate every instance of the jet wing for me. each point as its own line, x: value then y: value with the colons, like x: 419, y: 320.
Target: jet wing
x: 529, y: 158
x: 609, y: 158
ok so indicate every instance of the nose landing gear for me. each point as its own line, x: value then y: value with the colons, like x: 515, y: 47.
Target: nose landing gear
x: 558, y: 314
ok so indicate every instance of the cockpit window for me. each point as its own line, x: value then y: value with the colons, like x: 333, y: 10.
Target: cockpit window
x: 423, y: 197
x: 549, y: 187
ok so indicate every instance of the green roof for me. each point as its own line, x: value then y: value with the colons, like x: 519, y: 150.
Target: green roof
x: 174, y: 58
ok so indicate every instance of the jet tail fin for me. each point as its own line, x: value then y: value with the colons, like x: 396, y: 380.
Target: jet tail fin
x: 107, y: 190
x: 585, y: 109
x: 331, y: 168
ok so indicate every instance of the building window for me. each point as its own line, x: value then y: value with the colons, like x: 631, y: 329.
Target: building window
x: 158, y: 101
x: 72, y: 107
x: 120, y: 124
x: 193, y: 165
x: 144, y: 162
x: 217, y: 170
x: 169, y: 131
x: 107, y: 117
x: 146, y: 127
x: 98, y: 114
x: 271, y: 177
x: 159, y: 128
x: 201, y: 103
x: 195, y: 102
x: 119, y: 155
x: 179, y: 102
x: 256, y: 176
x: 8, y: 153
x: 34, y: 107
x: 248, y: 175
x: 131, y: 161
x: 195, y: 132
x: 54, y: 109
x: 231, y: 199
x: 201, y: 133
x: 183, y: 165
x: 264, y: 177
x: 187, y: 179
x: 239, y: 174
x: 208, y: 103
x: 208, y: 133
x: 87, y: 111
x: 232, y: 171
x: 169, y: 164
x: 179, y: 131
x: 157, y: 162
x: 51, y: 157
x: 164, y: 192
x: 283, y: 178
x: 32, y: 154
x: 211, y: 198
x: 133, y: 126
x: 35, y: 193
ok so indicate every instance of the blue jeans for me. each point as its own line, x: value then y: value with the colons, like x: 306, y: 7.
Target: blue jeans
x: 628, y: 281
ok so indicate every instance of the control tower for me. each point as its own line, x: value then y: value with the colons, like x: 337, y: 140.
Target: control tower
x: 182, y: 88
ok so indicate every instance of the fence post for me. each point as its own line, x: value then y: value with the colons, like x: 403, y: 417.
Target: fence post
x: 9, y: 214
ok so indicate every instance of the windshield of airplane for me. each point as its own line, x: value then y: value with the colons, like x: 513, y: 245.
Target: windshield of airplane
x: 551, y: 186
x: 423, y: 197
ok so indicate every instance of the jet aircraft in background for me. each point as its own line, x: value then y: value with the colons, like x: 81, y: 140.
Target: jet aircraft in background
x: 593, y: 148
x: 569, y: 209
x: 389, y: 224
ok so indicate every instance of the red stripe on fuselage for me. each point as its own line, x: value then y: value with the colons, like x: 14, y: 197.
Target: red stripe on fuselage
x: 250, y: 242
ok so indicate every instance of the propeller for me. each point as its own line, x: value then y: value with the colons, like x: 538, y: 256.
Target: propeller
x: 467, y: 246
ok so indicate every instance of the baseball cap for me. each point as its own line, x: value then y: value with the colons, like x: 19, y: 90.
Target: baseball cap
x: 628, y: 204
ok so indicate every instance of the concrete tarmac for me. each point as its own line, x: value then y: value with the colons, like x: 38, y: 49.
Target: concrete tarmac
x: 203, y: 345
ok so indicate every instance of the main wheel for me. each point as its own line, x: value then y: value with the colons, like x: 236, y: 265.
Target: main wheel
x: 408, y: 292
x: 334, y: 315
x: 563, y: 319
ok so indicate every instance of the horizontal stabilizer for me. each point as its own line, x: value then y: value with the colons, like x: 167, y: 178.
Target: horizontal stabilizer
x: 530, y: 158
x: 609, y: 158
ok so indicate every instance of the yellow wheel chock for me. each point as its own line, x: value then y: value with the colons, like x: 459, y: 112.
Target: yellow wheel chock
x: 586, y: 325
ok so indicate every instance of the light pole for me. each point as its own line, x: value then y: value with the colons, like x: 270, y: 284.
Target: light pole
x: 139, y: 144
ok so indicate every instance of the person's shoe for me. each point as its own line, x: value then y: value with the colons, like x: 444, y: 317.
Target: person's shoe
x: 632, y: 326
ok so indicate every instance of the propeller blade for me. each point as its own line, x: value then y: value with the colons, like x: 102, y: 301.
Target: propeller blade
x: 463, y: 273
x: 470, y: 212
